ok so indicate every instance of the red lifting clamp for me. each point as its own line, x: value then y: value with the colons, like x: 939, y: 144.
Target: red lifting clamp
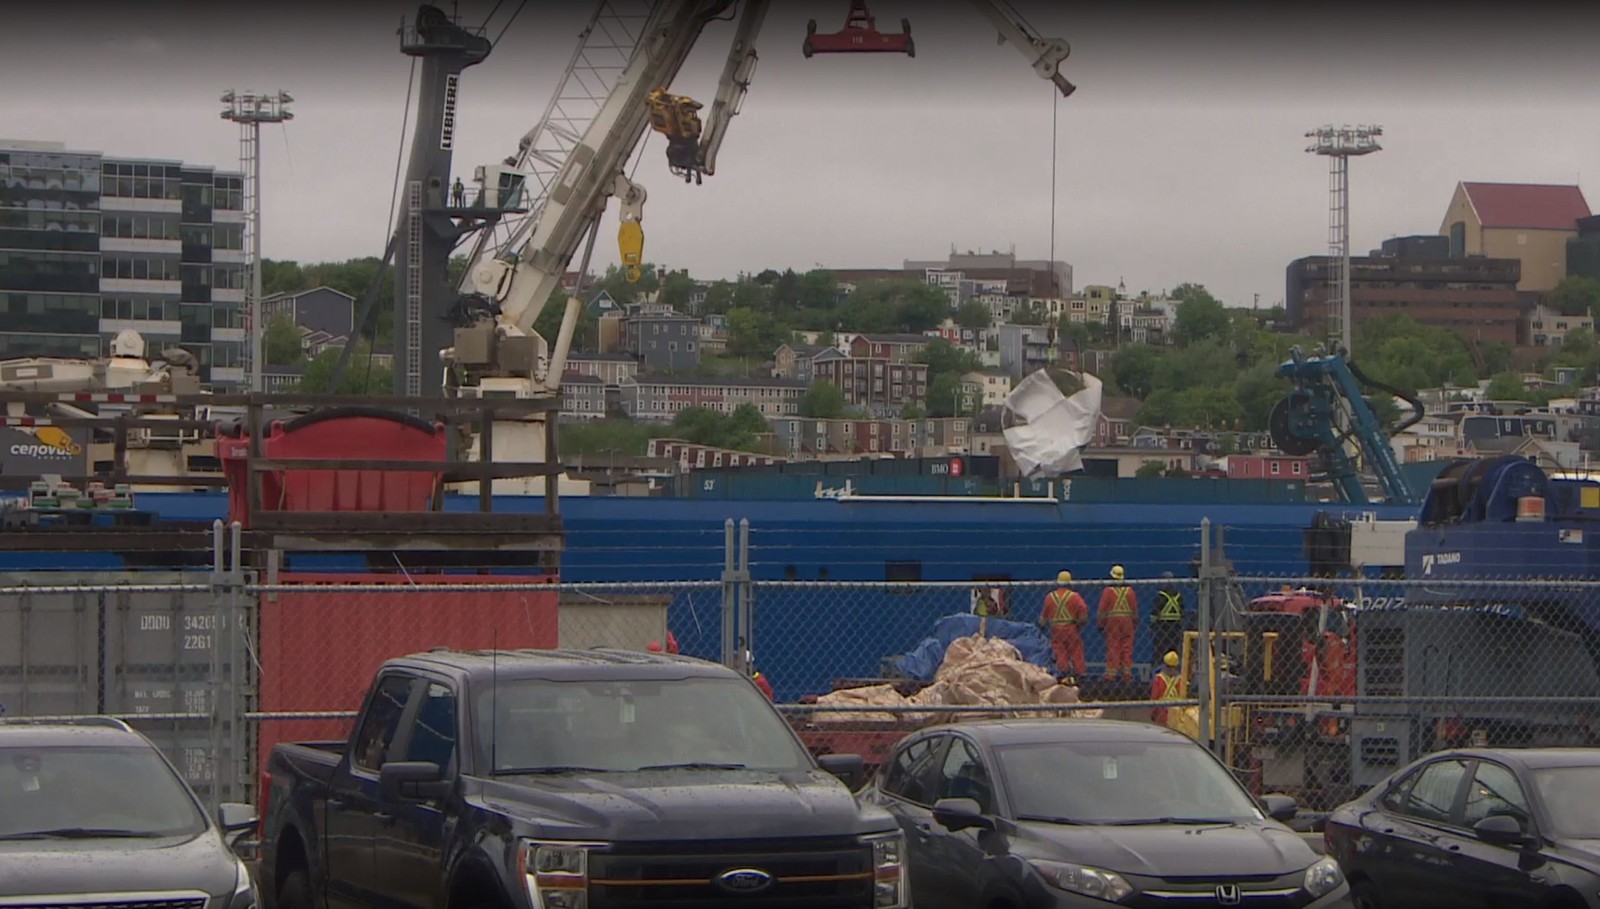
x: 860, y: 35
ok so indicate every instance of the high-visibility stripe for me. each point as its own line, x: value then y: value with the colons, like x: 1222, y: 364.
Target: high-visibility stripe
x: 1122, y: 605
x: 1060, y: 608
x: 1171, y: 606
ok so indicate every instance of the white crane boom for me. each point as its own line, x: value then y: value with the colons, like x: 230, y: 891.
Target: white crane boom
x: 520, y: 283
x: 521, y: 278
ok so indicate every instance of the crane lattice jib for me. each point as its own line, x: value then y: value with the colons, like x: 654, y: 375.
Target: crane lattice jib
x: 605, y: 47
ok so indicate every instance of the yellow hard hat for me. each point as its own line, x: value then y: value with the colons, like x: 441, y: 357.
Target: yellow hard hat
x: 1171, y: 659
x: 1116, y: 572
x: 1064, y: 577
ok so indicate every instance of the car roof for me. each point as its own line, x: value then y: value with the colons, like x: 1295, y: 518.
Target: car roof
x: 1048, y: 731
x: 1529, y: 758
x: 87, y: 732
x: 563, y: 665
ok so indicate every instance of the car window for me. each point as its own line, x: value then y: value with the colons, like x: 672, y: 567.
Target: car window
x: 914, y: 774
x: 1494, y: 790
x: 1433, y: 796
x: 433, y: 738
x: 1395, y: 799
x: 382, y: 722
x: 963, y: 775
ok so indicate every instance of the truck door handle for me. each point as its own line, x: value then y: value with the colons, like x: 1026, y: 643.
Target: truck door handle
x: 383, y: 817
x: 336, y: 803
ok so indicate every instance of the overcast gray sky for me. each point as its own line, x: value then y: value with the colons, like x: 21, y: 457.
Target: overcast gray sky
x: 1181, y: 157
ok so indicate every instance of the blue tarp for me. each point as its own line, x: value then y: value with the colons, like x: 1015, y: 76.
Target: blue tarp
x: 922, y: 662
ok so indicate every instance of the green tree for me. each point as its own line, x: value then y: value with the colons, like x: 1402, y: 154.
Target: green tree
x: 707, y: 427
x: 612, y: 437
x: 281, y: 343
x: 1032, y: 314
x: 1199, y: 316
x: 747, y: 418
x: 974, y: 314
x: 819, y: 290
x: 359, y: 379
x: 946, y: 398
x: 822, y: 401
x: 676, y: 289
x: 1134, y: 369
x: 943, y: 357
x: 900, y: 305
x: 754, y: 335
x: 1575, y: 295
x: 585, y: 335
x: 912, y: 411
x: 1150, y: 469
x: 719, y: 298
x: 1506, y: 386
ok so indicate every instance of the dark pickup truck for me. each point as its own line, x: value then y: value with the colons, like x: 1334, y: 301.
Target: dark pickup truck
x: 570, y: 780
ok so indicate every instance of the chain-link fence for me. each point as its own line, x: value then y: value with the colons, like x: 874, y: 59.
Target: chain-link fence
x: 1313, y: 687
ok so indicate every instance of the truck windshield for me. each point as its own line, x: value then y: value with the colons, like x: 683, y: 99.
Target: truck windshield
x: 1121, y: 783
x: 81, y: 792
x: 544, y: 726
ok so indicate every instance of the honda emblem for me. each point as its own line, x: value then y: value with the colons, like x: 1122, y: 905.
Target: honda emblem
x: 1228, y: 895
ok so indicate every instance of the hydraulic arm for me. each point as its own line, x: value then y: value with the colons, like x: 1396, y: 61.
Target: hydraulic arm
x: 1327, y: 414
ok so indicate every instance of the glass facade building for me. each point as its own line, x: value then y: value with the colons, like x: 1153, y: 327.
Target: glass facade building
x: 91, y: 245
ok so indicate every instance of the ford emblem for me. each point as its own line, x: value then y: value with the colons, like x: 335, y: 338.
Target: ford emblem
x: 744, y: 881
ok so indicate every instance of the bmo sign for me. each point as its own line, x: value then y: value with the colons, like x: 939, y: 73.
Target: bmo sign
x: 951, y: 468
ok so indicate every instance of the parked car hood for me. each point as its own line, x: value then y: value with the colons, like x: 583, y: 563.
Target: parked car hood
x: 1215, y: 850
x: 685, y: 805
x: 44, y: 867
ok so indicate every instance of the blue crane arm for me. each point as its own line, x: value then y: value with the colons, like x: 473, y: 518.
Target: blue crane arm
x: 1309, y: 420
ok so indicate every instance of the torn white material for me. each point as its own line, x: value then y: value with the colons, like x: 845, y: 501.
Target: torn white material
x: 1052, y: 429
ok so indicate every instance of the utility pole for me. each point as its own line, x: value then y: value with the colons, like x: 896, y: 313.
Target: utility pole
x: 1338, y: 145
x: 250, y: 109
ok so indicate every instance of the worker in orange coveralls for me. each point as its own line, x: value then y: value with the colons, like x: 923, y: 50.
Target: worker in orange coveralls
x: 672, y: 644
x: 1167, y: 685
x: 763, y: 684
x: 1065, y: 613
x: 1118, y: 616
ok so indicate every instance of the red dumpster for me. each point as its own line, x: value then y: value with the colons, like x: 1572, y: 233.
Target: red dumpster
x: 337, y: 433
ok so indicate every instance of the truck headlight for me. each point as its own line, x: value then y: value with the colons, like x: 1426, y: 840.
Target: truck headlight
x: 244, y: 890
x: 556, y: 873
x: 1324, y: 876
x: 889, y: 871
x: 1102, y: 885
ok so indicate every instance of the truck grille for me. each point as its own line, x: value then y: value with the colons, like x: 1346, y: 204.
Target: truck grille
x: 103, y: 902
x: 826, y: 874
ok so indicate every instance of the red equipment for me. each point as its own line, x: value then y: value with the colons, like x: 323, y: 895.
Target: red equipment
x: 860, y: 35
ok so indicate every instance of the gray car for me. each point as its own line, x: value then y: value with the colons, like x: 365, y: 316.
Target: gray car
x: 91, y: 811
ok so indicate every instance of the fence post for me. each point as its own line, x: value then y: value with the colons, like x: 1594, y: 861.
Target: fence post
x: 747, y: 612
x: 729, y: 595
x: 1203, y: 615
x: 219, y: 617
x: 239, y: 704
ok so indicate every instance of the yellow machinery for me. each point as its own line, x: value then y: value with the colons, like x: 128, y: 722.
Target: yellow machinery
x: 677, y: 117
x: 1234, y: 729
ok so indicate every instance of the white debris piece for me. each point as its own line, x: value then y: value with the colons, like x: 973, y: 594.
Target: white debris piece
x: 1052, y: 429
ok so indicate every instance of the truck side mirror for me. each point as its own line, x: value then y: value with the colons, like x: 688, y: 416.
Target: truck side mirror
x: 1280, y: 807
x: 959, y: 814
x: 849, y: 768
x: 421, y: 780
x: 234, y: 817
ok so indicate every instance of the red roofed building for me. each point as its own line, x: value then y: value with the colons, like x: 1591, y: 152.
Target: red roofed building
x: 1531, y: 222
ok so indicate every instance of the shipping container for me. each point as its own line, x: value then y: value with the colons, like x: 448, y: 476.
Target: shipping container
x: 320, y: 648
x: 100, y: 650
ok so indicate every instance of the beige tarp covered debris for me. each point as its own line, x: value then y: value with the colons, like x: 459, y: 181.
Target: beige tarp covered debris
x: 975, y: 672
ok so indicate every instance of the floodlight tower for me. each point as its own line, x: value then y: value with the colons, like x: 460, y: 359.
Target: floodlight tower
x: 1339, y: 145
x: 251, y: 109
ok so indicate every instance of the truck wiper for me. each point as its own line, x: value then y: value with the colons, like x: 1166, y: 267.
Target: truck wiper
x: 694, y: 765
x: 79, y: 833
x: 550, y: 770
x: 1188, y: 821
x: 1048, y: 819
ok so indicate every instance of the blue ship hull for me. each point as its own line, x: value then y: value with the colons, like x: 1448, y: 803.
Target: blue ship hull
x: 807, y: 637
